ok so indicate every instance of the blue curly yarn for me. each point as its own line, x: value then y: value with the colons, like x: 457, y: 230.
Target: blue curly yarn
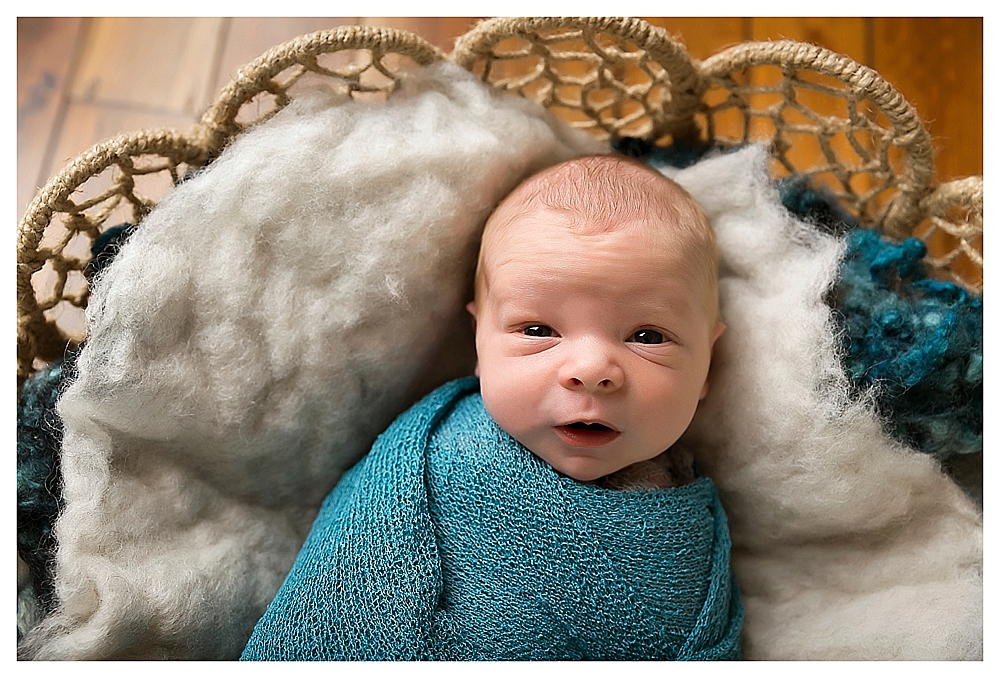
x: 39, y: 483
x: 917, y: 341
x: 815, y: 206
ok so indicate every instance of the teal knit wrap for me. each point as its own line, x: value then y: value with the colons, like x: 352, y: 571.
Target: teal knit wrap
x: 451, y: 541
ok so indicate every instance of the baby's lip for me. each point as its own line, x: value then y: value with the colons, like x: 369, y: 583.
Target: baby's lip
x: 587, y: 433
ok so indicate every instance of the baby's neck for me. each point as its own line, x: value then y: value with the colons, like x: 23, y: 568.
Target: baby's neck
x: 672, y: 468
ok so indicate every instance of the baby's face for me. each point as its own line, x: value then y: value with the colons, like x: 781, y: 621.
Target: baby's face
x: 593, y: 349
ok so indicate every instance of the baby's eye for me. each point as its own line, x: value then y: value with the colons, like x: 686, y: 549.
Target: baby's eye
x: 647, y: 337
x: 538, y: 331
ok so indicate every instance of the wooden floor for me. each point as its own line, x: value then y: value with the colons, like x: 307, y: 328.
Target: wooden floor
x: 80, y: 81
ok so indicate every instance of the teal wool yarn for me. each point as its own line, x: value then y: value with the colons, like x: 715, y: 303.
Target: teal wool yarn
x: 39, y: 484
x: 915, y: 342
x: 918, y: 341
x: 451, y: 541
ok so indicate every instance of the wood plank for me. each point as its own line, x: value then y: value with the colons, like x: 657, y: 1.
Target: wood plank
x: 703, y: 36
x: 439, y: 31
x: 87, y: 124
x: 937, y: 64
x: 45, y: 48
x: 163, y: 64
x: 249, y: 38
x: 846, y: 35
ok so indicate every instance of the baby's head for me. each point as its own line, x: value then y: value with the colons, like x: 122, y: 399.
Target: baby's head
x: 596, y: 311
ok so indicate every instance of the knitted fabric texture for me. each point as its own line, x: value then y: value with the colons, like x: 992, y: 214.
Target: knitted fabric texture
x: 451, y: 541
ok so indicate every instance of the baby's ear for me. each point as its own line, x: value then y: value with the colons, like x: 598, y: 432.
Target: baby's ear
x: 716, y: 333
x: 720, y: 327
x: 471, y: 308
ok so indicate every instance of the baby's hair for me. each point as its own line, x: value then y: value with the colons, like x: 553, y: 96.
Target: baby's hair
x: 608, y: 192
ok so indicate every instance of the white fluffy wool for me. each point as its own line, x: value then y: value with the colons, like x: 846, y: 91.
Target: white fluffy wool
x: 846, y: 544
x: 252, y: 338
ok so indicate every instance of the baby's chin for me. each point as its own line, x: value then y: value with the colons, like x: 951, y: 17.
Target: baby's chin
x: 583, y: 468
x: 586, y: 465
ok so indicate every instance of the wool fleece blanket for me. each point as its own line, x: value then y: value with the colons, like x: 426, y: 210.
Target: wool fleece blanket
x: 847, y: 544
x: 452, y: 541
x: 263, y: 325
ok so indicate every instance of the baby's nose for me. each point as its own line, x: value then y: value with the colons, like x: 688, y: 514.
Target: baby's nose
x: 592, y: 368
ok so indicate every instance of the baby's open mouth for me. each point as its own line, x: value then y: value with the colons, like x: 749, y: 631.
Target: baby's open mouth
x: 584, y: 434
x: 589, y: 427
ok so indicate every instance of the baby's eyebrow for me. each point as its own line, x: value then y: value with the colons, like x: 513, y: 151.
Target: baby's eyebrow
x: 522, y: 288
x: 513, y: 303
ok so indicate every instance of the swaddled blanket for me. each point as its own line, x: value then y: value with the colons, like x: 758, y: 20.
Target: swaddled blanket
x: 451, y: 541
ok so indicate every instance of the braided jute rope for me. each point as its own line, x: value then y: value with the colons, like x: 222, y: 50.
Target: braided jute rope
x: 966, y: 196
x: 648, y: 81
x: 685, y: 82
x: 918, y: 176
x: 38, y: 336
x: 218, y: 124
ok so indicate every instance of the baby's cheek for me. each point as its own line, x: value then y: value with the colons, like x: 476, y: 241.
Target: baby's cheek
x: 496, y: 400
x: 505, y: 398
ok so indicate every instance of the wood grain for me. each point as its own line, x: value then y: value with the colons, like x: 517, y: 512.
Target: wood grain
x: 846, y: 35
x: 937, y: 64
x: 703, y: 37
x: 439, y: 31
x: 121, y: 73
x: 163, y: 64
x: 247, y: 38
x: 45, y: 49
x: 130, y: 74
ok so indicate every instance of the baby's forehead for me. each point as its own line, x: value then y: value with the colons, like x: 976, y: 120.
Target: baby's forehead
x: 556, y: 245
x: 603, y: 177
x: 594, y: 197
x: 602, y: 187
x: 531, y: 221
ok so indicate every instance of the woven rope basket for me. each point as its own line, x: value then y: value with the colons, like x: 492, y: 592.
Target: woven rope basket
x: 613, y: 77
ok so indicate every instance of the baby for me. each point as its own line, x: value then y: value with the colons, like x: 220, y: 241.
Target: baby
x: 596, y: 310
x: 489, y: 521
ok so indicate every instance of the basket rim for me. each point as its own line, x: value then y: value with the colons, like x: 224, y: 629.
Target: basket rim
x: 917, y: 197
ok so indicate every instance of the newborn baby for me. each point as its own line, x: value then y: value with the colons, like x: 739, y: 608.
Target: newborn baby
x: 597, y: 309
x: 542, y: 511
